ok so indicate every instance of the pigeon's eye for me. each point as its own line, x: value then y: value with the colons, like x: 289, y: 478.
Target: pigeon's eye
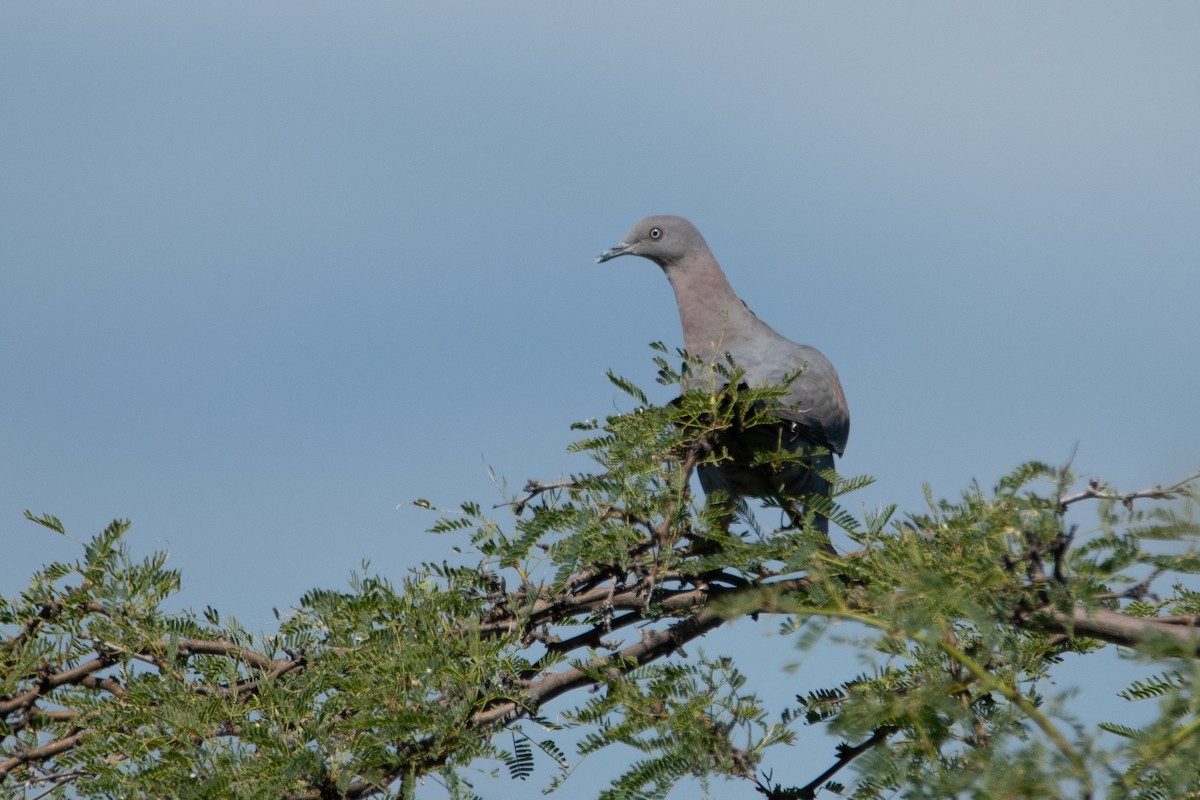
x: 656, y: 233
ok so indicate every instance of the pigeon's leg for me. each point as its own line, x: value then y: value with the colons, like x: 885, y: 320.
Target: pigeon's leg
x: 725, y: 509
x: 808, y: 481
x: 796, y: 514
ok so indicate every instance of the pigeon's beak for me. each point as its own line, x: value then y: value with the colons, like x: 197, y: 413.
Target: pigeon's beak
x: 619, y: 249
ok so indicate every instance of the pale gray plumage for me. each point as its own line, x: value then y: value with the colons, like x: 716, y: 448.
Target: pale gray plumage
x: 717, y: 323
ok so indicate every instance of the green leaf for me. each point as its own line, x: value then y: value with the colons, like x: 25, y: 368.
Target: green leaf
x: 48, y: 521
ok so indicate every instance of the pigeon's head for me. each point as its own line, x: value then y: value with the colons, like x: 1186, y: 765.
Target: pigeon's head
x: 665, y: 240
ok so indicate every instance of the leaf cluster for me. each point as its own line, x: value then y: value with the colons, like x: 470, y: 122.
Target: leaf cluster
x: 965, y: 614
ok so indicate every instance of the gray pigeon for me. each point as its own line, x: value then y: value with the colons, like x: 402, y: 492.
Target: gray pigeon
x: 716, y: 323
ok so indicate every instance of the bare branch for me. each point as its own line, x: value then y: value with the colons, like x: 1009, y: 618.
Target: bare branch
x: 1099, y: 491
x: 54, y: 748
x: 1120, y: 629
x: 846, y: 753
x: 532, y: 490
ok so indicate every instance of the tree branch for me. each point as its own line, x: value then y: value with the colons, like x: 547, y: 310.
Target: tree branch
x: 1099, y: 491
x: 54, y: 748
x: 846, y: 754
x: 1120, y: 629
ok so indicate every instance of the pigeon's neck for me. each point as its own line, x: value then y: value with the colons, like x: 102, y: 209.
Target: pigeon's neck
x: 714, y: 318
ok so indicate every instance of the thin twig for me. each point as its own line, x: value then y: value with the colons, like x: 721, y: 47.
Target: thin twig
x: 846, y: 754
x: 1099, y: 491
x: 533, y: 489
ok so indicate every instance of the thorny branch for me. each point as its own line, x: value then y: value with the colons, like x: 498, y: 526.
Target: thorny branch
x: 589, y: 592
x: 532, y: 490
x: 685, y: 604
x: 846, y: 753
x: 1097, y: 490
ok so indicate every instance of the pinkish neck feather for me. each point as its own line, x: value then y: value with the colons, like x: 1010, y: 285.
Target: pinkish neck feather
x: 708, y: 308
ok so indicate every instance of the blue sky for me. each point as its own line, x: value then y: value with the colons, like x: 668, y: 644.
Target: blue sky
x: 269, y: 272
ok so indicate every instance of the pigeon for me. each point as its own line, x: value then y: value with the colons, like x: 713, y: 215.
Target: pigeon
x: 718, y: 328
